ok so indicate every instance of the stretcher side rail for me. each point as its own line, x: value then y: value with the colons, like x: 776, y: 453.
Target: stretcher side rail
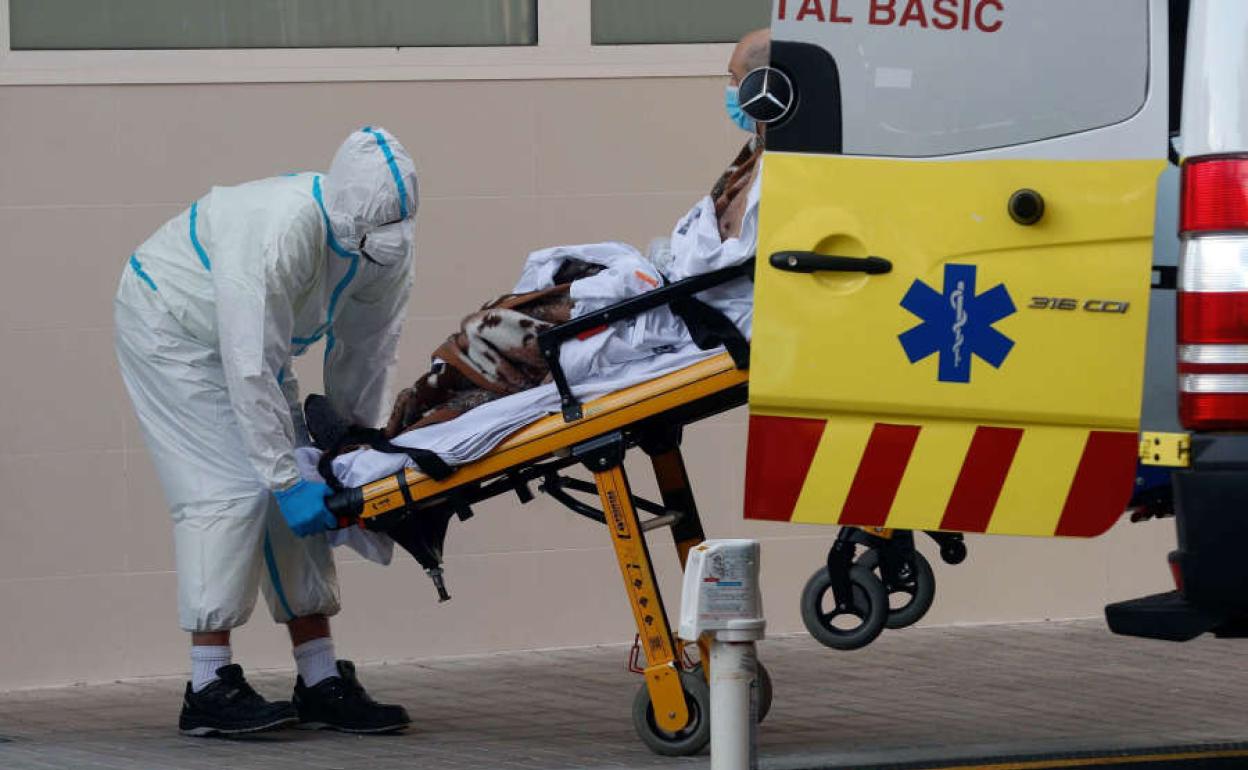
x: 682, y: 292
x: 383, y: 504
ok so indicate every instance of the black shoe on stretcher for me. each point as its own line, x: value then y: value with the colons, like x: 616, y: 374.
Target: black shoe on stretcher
x: 229, y: 706
x: 340, y: 703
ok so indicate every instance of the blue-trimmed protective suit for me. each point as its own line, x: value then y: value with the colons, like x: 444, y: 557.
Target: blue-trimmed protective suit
x: 209, y: 313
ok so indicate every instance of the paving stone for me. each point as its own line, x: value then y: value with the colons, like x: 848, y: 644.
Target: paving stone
x: 929, y: 692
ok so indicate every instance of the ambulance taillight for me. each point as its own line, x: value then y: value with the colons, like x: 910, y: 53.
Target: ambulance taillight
x: 1213, y: 295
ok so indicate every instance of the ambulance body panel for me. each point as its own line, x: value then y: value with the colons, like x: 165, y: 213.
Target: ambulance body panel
x: 991, y: 379
x: 1215, y: 87
x: 1060, y: 70
x: 1158, y: 412
x: 1209, y: 332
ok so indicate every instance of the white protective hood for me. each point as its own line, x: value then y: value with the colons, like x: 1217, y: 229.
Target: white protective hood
x: 372, y: 194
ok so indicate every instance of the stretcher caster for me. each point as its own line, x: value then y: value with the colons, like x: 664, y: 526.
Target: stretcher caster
x: 909, y: 581
x: 953, y: 552
x: 853, y: 621
x: 694, y: 736
x: 952, y: 546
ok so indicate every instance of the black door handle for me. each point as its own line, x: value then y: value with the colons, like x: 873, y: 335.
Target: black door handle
x: 809, y: 262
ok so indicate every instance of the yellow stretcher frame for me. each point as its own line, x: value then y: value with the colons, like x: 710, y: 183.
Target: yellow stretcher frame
x: 649, y: 415
x: 551, y: 434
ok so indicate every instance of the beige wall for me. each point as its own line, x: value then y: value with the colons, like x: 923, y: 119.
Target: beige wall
x: 86, y: 172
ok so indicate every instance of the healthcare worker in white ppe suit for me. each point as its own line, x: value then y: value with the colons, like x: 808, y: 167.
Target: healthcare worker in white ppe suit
x: 209, y: 313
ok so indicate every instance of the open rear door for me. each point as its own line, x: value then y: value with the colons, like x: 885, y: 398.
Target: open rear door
x: 998, y: 159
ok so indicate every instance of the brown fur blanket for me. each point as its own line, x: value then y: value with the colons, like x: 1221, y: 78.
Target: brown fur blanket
x: 494, y: 354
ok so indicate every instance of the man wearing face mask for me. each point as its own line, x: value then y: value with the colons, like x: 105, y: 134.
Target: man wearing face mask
x: 730, y: 192
x: 210, y: 311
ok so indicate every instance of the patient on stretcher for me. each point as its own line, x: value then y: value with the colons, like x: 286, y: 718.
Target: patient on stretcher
x: 490, y: 379
x: 495, y: 352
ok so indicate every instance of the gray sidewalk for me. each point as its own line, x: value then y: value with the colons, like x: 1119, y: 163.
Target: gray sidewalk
x: 917, y: 693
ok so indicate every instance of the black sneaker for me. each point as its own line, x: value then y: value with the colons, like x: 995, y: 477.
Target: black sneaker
x: 229, y: 706
x: 340, y: 703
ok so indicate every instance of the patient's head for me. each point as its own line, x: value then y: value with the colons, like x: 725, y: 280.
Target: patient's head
x: 752, y: 52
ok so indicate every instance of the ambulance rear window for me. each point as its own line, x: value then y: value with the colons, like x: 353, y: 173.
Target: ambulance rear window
x: 923, y: 78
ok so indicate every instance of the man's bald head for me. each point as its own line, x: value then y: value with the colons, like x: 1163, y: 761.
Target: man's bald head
x: 752, y: 52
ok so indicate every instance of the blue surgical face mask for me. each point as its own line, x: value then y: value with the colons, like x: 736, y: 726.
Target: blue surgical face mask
x: 732, y: 102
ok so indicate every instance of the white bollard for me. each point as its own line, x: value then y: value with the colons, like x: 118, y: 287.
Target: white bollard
x: 720, y: 599
x: 733, y: 743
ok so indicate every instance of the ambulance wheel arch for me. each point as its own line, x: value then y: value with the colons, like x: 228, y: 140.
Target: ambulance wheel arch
x: 990, y: 379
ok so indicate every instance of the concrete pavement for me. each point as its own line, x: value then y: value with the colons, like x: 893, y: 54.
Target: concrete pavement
x: 914, y: 694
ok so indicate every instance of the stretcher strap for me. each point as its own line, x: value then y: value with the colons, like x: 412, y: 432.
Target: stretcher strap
x: 710, y: 328
x: 401, y: 480
x: 333, y: 436
x: 428, y: 462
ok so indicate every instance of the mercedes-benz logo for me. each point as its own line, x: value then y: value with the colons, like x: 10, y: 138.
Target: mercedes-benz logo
x: 766, y: 94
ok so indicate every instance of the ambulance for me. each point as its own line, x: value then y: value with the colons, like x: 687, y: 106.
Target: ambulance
x: 1002, y: 288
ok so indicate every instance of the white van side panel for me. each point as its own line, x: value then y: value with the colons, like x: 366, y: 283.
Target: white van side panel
x: 1215, y: 84
x: 1120, y: 140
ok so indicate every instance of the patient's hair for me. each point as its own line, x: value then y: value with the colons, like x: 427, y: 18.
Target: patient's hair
x: 758, y: 49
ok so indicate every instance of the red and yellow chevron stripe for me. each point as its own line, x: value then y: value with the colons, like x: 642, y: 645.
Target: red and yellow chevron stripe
x: 936, y: 475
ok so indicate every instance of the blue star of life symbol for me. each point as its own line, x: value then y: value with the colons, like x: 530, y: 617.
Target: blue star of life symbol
x: 957, y: 324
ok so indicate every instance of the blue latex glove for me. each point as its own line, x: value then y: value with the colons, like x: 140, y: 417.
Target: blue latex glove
x: 303, y: 507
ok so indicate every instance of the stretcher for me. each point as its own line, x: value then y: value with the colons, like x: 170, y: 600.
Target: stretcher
x: 671, y: 710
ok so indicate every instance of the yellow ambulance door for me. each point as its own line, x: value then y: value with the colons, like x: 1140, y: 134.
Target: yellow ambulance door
x: 954, y: 263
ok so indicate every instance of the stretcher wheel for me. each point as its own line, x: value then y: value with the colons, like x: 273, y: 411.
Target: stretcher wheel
x: 866, y: 614
x: 953, y: 552
x: 916, y: 587
x: 688, y: 741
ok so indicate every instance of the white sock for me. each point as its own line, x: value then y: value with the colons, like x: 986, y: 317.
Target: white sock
x: 316, y: 661
x: 205, y: 660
